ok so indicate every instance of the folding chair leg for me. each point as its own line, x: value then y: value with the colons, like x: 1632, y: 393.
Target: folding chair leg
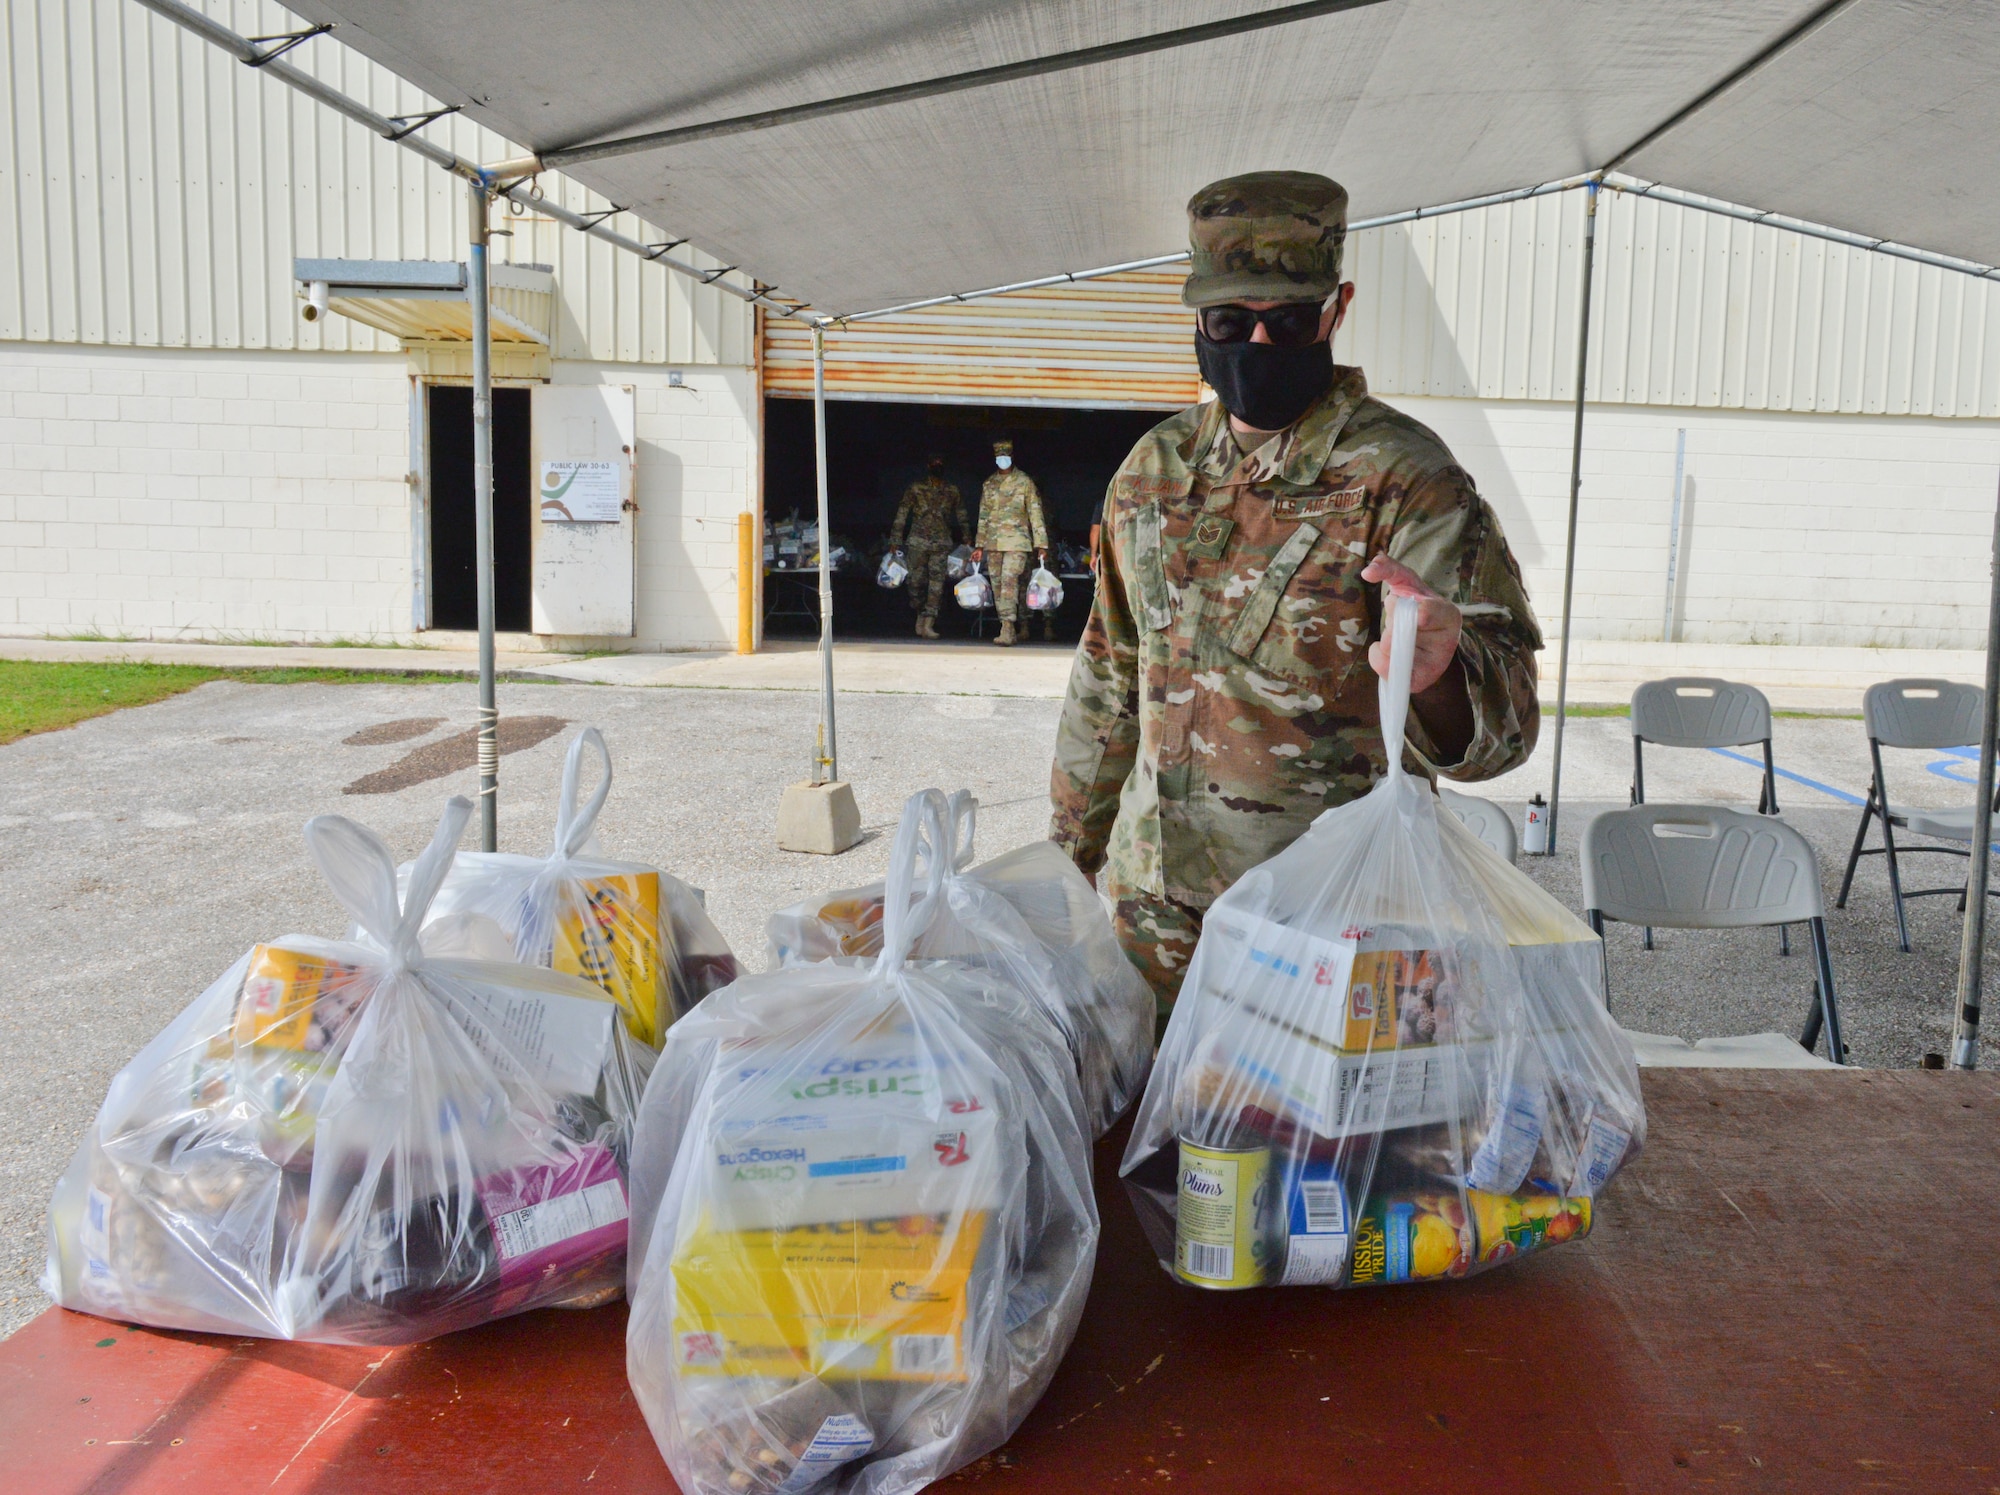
x: 1895, y: 883
x: 1595, y: 920
x: 1854, y: 856
x: 1784, y: 939
x: 1827, y: 1011
x: 1648, y: 943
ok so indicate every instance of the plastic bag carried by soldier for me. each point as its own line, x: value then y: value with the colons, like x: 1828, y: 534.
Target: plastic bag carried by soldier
x: 1391, y: 1059
x: 368, y: 1141
x: 863, y: 1225
x: 639, y: 933
x: 1072, y: 965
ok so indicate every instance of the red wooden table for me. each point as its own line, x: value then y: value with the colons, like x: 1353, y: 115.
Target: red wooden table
x: 1795, y: 1289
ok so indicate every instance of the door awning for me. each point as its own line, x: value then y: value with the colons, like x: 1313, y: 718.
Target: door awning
x: 424, y: 301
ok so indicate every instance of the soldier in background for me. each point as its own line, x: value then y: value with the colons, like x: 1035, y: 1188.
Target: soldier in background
x: 932, y: 515
x: 1011, y: 526
x: 1224, y: 691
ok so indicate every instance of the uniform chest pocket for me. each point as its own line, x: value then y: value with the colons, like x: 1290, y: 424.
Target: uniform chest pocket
x: 1304, y: 620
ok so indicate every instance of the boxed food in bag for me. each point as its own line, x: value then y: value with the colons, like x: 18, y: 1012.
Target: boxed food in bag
x: 862, y: 1221
x: 1101, y: 1004
x: 367, y: 1142
x: 641, y: 935
x: 1390, y: 1062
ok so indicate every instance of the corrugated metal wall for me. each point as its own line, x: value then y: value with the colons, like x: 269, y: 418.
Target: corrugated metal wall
x: 1689, y: 310
x: 1124, y: 340
x: 156, y: 191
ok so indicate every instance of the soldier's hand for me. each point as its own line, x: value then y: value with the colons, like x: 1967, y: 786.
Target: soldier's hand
x: 1438, y: 624
x: 978, y: 555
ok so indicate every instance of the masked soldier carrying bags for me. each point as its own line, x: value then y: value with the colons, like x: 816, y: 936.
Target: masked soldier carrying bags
x: 1010, y: 525
x: 1223, y: 693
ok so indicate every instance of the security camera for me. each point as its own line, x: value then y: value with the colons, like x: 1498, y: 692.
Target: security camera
x: 315, y: 306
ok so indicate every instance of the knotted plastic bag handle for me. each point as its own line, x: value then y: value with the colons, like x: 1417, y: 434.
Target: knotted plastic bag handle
x: 1392, y: 691
x: 922, y: 849
x: 572, y: 828
x: 963, y: 810
x: 356, y: 864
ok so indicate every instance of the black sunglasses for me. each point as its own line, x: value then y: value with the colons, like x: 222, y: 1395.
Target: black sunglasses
x: 1293, y: 324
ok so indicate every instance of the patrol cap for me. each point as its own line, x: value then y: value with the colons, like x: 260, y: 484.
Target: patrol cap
x: 1003, y: 448
x: 1265, y: 236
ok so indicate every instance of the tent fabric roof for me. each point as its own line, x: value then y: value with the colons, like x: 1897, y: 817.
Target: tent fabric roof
x: 1877, y: 119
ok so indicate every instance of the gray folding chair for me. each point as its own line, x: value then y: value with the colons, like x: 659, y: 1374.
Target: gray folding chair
x: 1691, y: 711
x: 1484, y: 819
x: 1914, y: 714
x: 1702, y: 867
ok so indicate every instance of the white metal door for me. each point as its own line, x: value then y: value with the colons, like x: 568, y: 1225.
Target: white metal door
x: 586, y: 516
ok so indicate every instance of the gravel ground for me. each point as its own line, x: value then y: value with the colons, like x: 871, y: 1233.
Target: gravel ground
x: 140, y: 853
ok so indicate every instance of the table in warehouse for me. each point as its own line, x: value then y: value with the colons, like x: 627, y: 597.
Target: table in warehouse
x: 1794, y: 1289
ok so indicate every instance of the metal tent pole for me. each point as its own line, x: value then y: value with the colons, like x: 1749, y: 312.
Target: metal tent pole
x: 482, y: 514
x: 1575, y: 495
x: 826, y: 761
x: 1972, y: 942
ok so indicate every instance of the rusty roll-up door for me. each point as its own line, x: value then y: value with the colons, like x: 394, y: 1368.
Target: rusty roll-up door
x: 1123, y: 342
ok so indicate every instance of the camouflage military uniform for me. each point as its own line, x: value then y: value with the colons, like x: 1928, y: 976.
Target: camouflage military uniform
x: 933, y: 515
x: 1222, y: 696
x: 1011, y: 529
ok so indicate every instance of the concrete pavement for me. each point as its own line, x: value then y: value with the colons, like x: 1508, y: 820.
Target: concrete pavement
x: 1602, y: 673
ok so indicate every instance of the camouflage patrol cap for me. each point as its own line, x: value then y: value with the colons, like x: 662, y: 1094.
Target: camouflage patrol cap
x: 1003, y: 448
x: 1265, y: 236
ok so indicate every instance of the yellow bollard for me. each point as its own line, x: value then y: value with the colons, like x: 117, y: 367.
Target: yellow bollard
x: 747, y: 560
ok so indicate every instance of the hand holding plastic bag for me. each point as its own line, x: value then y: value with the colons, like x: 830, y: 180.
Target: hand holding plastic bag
x: 974, y: 591
x: 1045, y: 591
x: 1099, y: 1002
x: 358, y: 1141
x: 863, y: 1227
x: 638, y: 933
x: 1391, y: 1059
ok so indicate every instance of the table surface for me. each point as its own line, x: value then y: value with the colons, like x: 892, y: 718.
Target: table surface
x: 1794, y: 1289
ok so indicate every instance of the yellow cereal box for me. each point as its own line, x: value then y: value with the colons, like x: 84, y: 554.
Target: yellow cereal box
x: 1392, y: 1002
x: 609, y: 931
x: 877, y: 1300
x: 293, y: 1001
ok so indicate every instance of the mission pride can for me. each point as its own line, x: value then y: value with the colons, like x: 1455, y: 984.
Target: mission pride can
x: 1223, y: 1234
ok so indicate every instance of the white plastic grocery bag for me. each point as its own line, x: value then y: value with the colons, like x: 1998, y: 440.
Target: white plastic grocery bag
x: 975, y: 591
x: 1391, y: 1059
x: 1045, y: 591
x: 361, y: 1142
x: 893, y: 571
x: 640, y: 934
x: 1101, y: 1004
x: 863, y: 1226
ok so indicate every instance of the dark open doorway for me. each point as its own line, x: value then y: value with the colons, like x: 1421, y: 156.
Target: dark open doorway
x: 876, y: 449
x: 454, y: 583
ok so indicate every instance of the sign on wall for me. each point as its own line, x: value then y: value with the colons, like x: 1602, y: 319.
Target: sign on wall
x: 575, y: 492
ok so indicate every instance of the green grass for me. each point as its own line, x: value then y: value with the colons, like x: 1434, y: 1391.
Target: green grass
x: 38, y: 696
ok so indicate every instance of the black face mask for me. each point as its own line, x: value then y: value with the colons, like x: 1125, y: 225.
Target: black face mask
x: 1261, y: 384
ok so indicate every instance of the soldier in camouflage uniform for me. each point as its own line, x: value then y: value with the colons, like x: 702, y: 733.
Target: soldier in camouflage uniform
x: 933, y: 516
x: 1010, y: 525
x: 1223, y: 693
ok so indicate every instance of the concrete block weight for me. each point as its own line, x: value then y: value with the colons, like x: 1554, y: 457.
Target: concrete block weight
x: 818, y: 818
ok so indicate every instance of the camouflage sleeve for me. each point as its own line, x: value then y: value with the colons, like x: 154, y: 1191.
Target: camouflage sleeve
x: 1450, y: 536
x: 979, y: 539
x: 1037, y: 521
x: 899, y: 525
x: 1097, y: 741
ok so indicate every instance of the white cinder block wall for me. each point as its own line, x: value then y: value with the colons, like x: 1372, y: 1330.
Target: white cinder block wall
x: 171, y: 494
x: 262, y: 496
x: 1823, y: 529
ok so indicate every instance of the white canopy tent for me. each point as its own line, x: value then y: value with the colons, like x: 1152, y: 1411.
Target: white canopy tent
x: 850, y: 157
